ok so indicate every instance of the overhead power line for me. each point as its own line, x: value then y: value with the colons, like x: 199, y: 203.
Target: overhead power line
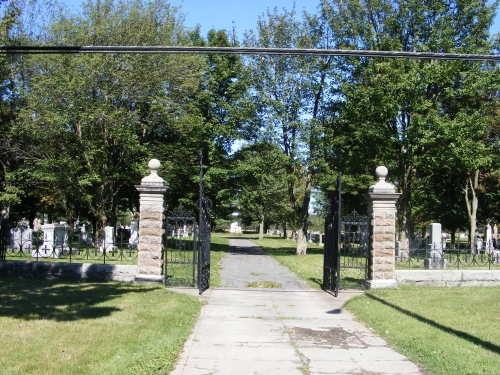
x: 242, y: 51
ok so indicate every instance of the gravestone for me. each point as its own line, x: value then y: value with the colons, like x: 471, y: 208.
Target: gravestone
x: 134, y: 238
x: 434, y: 255
x: 235, y: 228
x: 489, y: 239
x: 108, y: 240
x: 55, y: 240
x: 20, y: 238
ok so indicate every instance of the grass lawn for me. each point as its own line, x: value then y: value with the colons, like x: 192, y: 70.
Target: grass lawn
x: 218, y: 248
x: 54, y: 327
x: 447, y: 330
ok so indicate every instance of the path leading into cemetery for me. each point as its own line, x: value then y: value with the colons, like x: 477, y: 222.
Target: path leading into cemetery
x: 289, y: 329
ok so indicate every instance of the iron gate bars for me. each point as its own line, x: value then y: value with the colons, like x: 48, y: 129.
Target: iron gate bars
x: 346, y: 247
x: 205, y: 228
x: 353, y: 251
x: 180, y: 248
x: 331, y: 252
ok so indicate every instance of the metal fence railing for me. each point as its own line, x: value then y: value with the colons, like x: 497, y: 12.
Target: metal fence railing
x: 461, y: 255
x: 27, y: 244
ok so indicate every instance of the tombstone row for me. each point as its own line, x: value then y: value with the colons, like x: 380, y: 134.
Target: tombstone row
x: 51, y: 240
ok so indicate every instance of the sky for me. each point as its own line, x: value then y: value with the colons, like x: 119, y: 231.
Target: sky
x: 243, y: 14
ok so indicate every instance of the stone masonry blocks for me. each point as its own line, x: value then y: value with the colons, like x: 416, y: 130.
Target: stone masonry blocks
x: 149, y: 270
x: 151, y: 232
x: 148, y: 247
x: 149, y: 263
x: 150, y: 255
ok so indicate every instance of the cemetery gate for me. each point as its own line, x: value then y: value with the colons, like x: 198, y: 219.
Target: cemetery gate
x: 345, y: 248
x: 180, y: 256
x: 187, y: 245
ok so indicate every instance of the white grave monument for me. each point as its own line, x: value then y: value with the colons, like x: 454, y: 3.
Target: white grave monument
x: 108, y: 239
x: 235, y: 228
x: 434, y: 257
x: 55, y: 240
x: 20, y: 238
x: 489, y: 239
x: 134, y: 234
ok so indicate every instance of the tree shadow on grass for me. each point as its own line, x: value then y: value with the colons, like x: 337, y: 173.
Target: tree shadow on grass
x: 35, y: 299
x: 464, y: 335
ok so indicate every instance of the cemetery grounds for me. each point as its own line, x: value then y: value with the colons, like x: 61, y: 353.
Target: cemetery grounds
x: 89, y: 328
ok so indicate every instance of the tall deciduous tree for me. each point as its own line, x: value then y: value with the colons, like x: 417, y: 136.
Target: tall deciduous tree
x: 291, y: 94
x: 91, y: 119
x: 259, y: 171
x: 395, y: 109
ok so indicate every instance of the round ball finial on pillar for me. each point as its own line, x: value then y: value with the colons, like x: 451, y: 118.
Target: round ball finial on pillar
x: 154, y: 165
x: 153, y: 179
x: 382, y: 186
x: 381, y: 172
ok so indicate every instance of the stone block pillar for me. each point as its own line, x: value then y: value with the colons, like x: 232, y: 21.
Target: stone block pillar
x: 150, y: 246
x: 381, y: 199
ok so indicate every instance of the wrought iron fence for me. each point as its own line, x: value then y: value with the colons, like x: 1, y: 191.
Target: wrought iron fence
x: 461, y: 255
x: 25, y: 244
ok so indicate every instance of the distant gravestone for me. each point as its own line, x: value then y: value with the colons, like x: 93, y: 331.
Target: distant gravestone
x: 134, y: 237
x: 235, y: 228
x: 108, y: 239
x: 434, y: 254
x: 55, y: 240
x: 20, y: 238
x: 489, y: 239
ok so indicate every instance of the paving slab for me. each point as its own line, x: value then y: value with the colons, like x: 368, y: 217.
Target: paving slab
x: 288, y: 330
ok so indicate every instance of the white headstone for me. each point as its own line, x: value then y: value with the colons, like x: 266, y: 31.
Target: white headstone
x: 435, y: 258
x: 55, y: 240
x: 20, y: 238
x: 489, y: 238
x: 134, y: 237
x: 108, y: 239
x: 235, y: 228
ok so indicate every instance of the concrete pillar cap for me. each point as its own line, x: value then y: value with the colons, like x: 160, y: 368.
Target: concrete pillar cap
x: 153, y: 179
x: 382, y: 186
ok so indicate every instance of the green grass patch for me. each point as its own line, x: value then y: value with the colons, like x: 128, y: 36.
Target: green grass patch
x: 264, y: 284
x: 446, y: 330
x: 218, y: 248
x: 308, y: 267
x: 55, y: 327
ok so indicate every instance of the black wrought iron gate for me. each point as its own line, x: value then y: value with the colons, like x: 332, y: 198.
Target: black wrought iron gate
x: 181, y: 250
x: 346, y: 247
x: 205, y: 228
x: 187, y: 245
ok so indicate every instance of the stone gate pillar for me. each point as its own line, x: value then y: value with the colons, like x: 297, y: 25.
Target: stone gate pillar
x: 381, y: 199
x: 150, y: 246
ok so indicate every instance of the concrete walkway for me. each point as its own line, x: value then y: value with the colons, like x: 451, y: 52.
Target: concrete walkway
x: 289, y: 330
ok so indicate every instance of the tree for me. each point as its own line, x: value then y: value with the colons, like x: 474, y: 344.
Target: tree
x: 259, y: 171
x: 290, y: 92
x: 395, y: 109
x: 93, y: 121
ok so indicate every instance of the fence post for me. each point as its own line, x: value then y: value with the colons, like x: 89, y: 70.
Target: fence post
x: 381, y: 199
x: 151, y: 201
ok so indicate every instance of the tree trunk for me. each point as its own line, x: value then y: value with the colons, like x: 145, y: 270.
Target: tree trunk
x: 261, y: 228
x: 404, y: 208
x: 301, y: 242
x: 472, y: 205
